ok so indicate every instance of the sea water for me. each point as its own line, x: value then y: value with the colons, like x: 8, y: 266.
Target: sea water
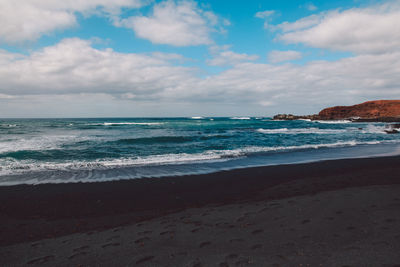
x: 34, y: 151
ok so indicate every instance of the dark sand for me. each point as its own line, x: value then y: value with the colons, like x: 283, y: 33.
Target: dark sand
x: 331, y: 213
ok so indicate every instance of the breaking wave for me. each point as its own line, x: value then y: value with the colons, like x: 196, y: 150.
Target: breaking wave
x: 10, y: 166
x: 300, y: 131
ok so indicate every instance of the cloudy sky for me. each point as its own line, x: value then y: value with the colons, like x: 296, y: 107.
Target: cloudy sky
x: 102, y: 58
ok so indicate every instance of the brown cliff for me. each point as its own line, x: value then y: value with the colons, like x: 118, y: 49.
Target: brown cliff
x: 381, y: 110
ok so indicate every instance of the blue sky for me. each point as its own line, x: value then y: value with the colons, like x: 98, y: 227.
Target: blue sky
x: 95, y: 58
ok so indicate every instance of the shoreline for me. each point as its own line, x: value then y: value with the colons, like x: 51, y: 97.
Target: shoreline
x: 299, y: 155
x: 34, y: 212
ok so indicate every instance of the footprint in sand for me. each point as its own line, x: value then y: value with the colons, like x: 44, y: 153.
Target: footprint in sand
x: 380, y: 243
x: 110, y: 245
x: 353, y: 248
x: 232, y: 256
x: 112, y: 238
x: 148, y: 258
x: 257, y: 246
x: 240, y: 219
x: 243, y: 261
x: 144, y: 232
x: 263, y: 210
x: 142, y: 240
x: 35, y: 245
x: 169, y: 226
x: 202, y: 245
x: 76, y: 255
x: 80, y: 248
x: 167, y: 232
x: 41, y: 260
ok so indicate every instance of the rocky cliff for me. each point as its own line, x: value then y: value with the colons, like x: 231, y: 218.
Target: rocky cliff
x: 378, y: 110
x: 371, y: 110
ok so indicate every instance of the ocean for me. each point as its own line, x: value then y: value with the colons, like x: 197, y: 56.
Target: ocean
x: 37, y: 151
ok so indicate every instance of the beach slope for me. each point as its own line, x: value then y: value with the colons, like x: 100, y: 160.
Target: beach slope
x: 331, y: 213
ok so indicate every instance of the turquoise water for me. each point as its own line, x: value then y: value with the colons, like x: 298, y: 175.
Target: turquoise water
x: 84, y: 150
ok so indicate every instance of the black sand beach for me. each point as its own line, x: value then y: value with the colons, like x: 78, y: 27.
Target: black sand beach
x: 329, y: 213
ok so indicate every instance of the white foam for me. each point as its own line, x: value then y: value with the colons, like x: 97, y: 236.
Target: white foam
x: 333, y: 121
x: 374, y: 129
x: 131, y: 123
x: 35, y: 143
x: 44, y: 142
x: 197, y: 118
x: 9, y: 166
x: 8, y: 125
x: 240, y: 118
x: 300, y: 131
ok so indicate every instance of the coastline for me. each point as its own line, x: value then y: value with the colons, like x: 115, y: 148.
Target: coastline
x: 30, y: 213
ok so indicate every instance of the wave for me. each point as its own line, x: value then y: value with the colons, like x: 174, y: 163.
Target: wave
x: 333, y: 121
x: 369, y: 129
x: 48, y: 142
x: 10, y: 166
x: 300, y: 131
x: 240, y: 118
x: 130, y: 123
x: 197, y: 118
x: 156, y: 139
x: 374, y: 129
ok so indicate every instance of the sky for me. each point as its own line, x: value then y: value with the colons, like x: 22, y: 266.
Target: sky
x: 148, y: 58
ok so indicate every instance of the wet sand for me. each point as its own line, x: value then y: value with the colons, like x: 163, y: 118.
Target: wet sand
x: 331, y: 213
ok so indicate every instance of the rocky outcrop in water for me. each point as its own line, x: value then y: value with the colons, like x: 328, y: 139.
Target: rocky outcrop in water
x: 290, y: 117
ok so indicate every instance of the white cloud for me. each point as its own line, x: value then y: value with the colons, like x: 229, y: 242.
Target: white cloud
x: 276, y: 56
x: 313, y: 85
x: 311, y: 7
x: 301, y: 24
x: 175, y: 23
x: 222, y: 56
x: 373, y: 29
x: 74, y: 68
x: 27, y: 20
x: 266, y: 16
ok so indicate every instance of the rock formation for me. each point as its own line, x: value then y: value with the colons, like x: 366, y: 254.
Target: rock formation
x: 379, y: 110
x: 290, y: 117
x: 371, y: 110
